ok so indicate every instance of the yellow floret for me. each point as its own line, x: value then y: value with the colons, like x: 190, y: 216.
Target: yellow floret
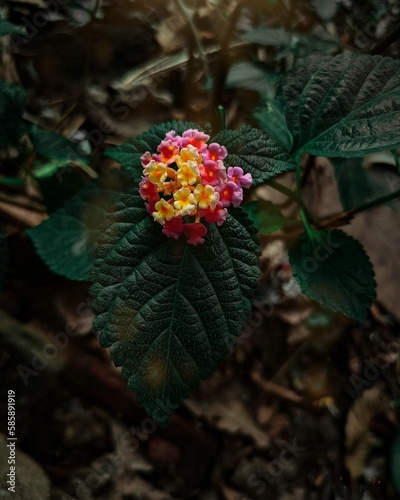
x: 188, y: 173
x: 156, y: 172
x: 164, y: 211
x: 184, y: 202
x: 206, y: 196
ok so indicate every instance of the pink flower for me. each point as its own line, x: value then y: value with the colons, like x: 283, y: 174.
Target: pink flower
x: 236, y: 175
x: 175, y: 139
x: 146, y: 159
x: 217, y: 215
x: 195, y: 138
x: 151, y: 205
x: 148, y: 190
x: 168, y: 152
x: 194, y: 233
x: 230, y: 193
x: 212, y: 172
x: 214, y: 152
x: 173, y: 228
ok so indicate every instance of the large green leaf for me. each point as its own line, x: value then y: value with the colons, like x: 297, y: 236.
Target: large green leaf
x: 344, y: 106
x: 255, y: 152
x: 12, y: 106
x: 170, y: 311
x: 67, y: 239
x: 332, y: 268
x: 128, y: 154
x: 54, y: 146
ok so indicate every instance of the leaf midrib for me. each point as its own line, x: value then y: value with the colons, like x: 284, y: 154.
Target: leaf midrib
x: 303, y: 149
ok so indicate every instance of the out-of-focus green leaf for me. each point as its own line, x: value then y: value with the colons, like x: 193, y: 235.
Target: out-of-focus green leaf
x: 12, y: 106
x: 55, y: 146
x: 67, y: 239
x: 271, y: 119
x: 266, y: 216
x: 252, y: 76
x: 354, y: 183
x: 7, y: 28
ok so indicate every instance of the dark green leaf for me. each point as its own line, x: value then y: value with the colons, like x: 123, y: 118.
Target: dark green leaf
x: 171, y: 311
x: 7, y: 28
x: 344, y: 106
x: 272, y: 120
x: 57, y: 188
x: 332, y: 268
x: 12, y: 106
x: 354, y: 184
x: 55, y: 146
x: 129, y: 153
x: 395, y: 462
x: 68, y: 238
x: 266, y: 216
x: 252, y: 76
x: 255, y: 152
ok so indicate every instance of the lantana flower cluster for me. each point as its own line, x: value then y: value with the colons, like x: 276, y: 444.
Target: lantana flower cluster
x: 186, y: 182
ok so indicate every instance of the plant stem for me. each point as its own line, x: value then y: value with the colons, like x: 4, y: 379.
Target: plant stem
x: 303, y: 209
x: 345, y: 217
x: 284, y: 190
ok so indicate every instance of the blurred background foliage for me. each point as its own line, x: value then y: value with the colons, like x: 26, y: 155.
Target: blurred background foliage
x: 79, y: 77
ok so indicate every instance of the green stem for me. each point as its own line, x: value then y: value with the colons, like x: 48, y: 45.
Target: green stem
x: 284, y: 190
x: 221, y: 113
x: 304, y: 216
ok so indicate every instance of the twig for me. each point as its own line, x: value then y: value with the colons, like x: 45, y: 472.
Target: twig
x: 278, y: 390
x: 346, y: 217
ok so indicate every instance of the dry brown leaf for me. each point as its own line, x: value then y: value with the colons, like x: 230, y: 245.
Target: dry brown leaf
x: 359, y: 439
x: 225, y: 411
